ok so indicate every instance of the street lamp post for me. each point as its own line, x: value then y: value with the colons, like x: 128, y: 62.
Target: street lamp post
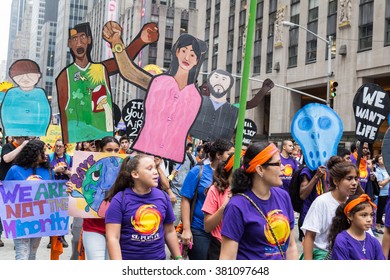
x: 329, y: 43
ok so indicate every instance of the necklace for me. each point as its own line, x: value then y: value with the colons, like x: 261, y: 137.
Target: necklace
x: 363, y: 244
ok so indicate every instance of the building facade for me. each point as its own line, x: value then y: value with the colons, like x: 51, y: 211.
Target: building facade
x: 295, y: 59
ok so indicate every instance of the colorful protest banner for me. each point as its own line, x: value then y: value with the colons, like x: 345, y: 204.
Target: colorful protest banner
x: 34, y: 208
x: 93, y: 174
x: 318, y: 129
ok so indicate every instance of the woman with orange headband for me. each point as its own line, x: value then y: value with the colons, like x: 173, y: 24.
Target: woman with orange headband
x: 258, y: 221
x: 348, y: 237
x: 218, y: 196
x: 343, y: 182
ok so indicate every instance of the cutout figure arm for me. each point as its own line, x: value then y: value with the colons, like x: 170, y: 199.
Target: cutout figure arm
x: 148, y: 35
x: 62, y: 90
x: 268, y: 84
x: 128, y: 69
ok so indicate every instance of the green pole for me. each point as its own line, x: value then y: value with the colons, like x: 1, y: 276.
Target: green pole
x: 244, y: 82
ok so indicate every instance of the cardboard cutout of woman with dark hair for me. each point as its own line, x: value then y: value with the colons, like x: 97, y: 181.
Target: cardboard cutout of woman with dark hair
x: 172, y: 101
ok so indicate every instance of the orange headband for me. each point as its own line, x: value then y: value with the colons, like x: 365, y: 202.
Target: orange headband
x: 357, y: 201
x: 229, y: 164
x: 262, y: 157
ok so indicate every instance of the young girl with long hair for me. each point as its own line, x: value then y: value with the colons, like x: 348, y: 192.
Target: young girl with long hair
x: 140, y: 216
x: 258, y: 221
x: 30, y: 163
x: 348, y: 238
x: 218, y: 195
x: 343, y: 182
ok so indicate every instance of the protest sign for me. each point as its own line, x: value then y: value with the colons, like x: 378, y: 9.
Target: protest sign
x: 93, y: 174
x: 371, y: 106
x: 133, y: 116
x: 250, y: 130
x: 34, y: 208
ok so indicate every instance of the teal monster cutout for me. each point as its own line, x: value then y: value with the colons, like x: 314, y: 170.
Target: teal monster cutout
x: 98, y: 180
x: 318, y: 129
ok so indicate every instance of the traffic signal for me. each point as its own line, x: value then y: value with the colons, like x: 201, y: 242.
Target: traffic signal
x: 332, y: 88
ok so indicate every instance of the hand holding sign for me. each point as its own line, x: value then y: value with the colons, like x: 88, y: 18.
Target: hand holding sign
x: 371, y: 106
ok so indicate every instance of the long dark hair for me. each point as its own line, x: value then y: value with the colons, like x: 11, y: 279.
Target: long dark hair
x: 28, y: 156
x: 242, y: 181
x: 199, y: 48
x: 221, y: 177
x: 124, y: 178
x: 340, y: 221
x: 218, y: 147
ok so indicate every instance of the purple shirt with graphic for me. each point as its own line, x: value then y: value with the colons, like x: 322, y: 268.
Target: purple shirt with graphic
x: 348, y: 248
x: 290, y: 165
x: 243, y: 223
x: 142, y: 219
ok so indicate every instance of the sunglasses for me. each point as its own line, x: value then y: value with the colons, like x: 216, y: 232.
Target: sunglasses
x: 278, y: 163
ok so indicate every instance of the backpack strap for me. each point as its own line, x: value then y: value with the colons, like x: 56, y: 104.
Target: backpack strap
x: 196, y: 193
x: 191, y: 159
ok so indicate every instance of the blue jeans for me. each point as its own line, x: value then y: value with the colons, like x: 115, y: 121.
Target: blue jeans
x: 201, y: 240
x: 95, y: 246
x: 26, y: 248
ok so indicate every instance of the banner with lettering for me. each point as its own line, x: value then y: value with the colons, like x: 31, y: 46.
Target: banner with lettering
x: 250, y: 130
x: 371, y: 106
x: 93, y: 174
x: 133, y: 116
x: 34, y: 208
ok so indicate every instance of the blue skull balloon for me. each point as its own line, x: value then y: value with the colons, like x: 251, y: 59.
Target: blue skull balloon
x: 318, y: 129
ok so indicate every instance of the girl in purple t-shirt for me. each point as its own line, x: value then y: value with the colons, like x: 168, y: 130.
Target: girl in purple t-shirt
x: 348, y: 237
x: 258, y: 221
x: 139, y: 220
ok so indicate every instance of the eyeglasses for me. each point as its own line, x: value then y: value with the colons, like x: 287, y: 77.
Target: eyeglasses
x: 278, y: 163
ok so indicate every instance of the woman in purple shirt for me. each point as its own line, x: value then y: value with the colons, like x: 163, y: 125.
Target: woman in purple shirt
x: 258, y: 221
x: 348, y: 237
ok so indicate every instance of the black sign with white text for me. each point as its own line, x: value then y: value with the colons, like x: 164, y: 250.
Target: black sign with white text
x: 371, y: 106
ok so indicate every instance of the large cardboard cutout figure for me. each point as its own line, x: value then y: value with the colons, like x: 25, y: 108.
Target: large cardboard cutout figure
x: 217, y: 117
x: 84, y: 95
x: 172, y: 100
x: 318, y: 129
x: 25, y: 110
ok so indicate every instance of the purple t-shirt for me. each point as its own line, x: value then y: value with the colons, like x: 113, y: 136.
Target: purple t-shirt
x: 315, y: 192
x: 290, y: 165
x: 348, y: 248
x: 243, y: 223
x: 142, y: 219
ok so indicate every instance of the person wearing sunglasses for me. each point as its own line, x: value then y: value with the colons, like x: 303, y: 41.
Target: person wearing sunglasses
x: 258, y: 221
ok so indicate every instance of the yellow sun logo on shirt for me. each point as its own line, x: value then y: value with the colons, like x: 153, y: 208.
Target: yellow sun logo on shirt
x: 280, y: 226
x: 147, y: 219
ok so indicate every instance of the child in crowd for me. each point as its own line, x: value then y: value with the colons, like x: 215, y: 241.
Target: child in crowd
x: 348, y: 237
x: 140, y: 216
